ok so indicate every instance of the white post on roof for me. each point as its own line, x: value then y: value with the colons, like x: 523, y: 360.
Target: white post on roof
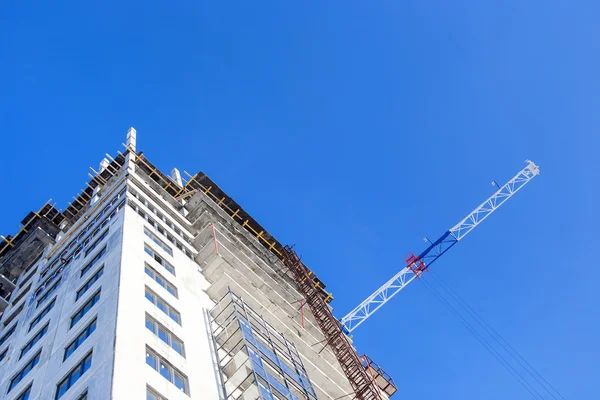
x: 130, y: 145
x: 176, y: 176
x: 131, y: 138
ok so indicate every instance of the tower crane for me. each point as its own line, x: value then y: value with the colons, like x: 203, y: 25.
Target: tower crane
x: 415, y: 265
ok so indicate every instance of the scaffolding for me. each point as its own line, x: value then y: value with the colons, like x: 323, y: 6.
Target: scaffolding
x: 381, y: 378
x: 363, y: 386
x: 255, y: 360
x: 27, y: 224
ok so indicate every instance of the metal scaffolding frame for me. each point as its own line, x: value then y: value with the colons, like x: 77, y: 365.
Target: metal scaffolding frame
x: 361, y: 383
x: 255, y: 360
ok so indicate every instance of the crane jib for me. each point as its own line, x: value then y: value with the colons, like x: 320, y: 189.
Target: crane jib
x: 437, y: 248
x: 418, y: 264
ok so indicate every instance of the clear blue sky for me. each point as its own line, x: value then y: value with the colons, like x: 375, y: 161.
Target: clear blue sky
x: 352, y: 129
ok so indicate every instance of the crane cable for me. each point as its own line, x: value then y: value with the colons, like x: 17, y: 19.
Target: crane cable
x: 534, y: 393
x: 499, y: 339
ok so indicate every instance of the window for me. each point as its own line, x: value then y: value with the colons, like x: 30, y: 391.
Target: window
x: 29, y: 276
x: 160, y: 280
x: 48, y: 293
x: 157, y: 226
x: 96, y: 243
x: 164, y: 334
x: 83, y: 396
x: 167, y: 371
x: 20, y: 296
x: 80, y: 339
x: 64, y: 262
x: 152, y: 394
x: 14, y: 314
x: 3, y: 354
x: 25, y: 394
x: 24, y: 371
x: 73, y: 376
x: 84, y: 310
x: 41, y: 315
x: 87, y: 229
x: 159, y: 259
x: 34, y: 340
x: 89, y: 283
x: 8, y: 333
x: 159, y: 242
x: 79, y: 239
x: 163, y: 305
x: 93, y: 261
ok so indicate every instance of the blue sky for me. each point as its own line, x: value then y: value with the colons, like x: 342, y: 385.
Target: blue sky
x: 352, y: 129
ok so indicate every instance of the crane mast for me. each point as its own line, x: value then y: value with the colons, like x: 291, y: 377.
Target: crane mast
x: 417, y: 264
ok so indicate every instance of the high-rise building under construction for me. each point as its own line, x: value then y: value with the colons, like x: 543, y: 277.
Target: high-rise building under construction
x: 148, y: 288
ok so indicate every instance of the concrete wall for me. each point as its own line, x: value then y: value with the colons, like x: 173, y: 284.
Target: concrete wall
x: 51, y: 369
x: 243, y: 265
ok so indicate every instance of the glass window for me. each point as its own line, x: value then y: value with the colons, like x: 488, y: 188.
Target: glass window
x: 93, y: 261
x: 164, y: 334
x: 177, y: 346
x: 151, y: 360
x: 159, y: 242
x: 167, y: 371
x: 8, y: 334
x: 22, y: 293
x: 169, y: 268
x: 25, y: 394
x: 73, y: 376
x: 28, y: 277
x: 3, y: 354
x: 48, y: 293
x: 24, y: 371
x: 41, y: 315
x: 148, y: 251
x: 150, y: 297
x: 161, y: 280
x: 152, y: 394
x: 179, y: 382
x: 159, y: 259
x: 83, y: 396
x: 86, y: 307
x: 87, y: 331
x: 172, y: 290
x: 97, y: 242
x: 34, y: 340
x: 174, y: 315
x: 89, y: 283
x: 163, y: 305
x: 150, y: 325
